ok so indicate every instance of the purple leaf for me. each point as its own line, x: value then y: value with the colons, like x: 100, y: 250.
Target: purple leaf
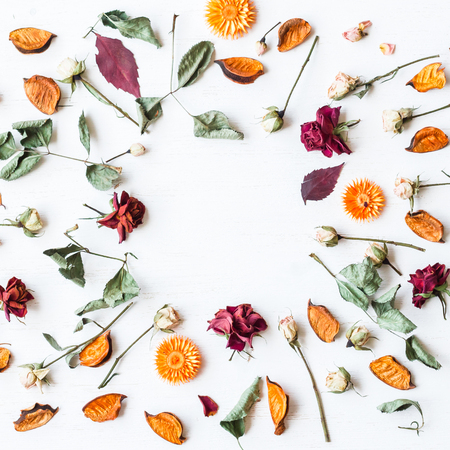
x: 117, y: 65
x: 319, y: 184
x: 210, y: 407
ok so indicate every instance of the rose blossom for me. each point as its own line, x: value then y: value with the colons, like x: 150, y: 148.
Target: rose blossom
x: 393, y: 120
x: 327, y: 236
x: 166, y: 318
x: 336, y: 382
x: 404, y: 188
x: 357, y: 33
x: 377, y: 253
x: 67, y: 68
x: 127, y: 215
x: 33, y: 377
x: 357, y: 336
x: 341, y: 86
x: 14, y: 298
x: 289, y: 328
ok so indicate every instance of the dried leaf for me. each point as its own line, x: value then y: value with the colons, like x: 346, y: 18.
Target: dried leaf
x: 7, y: 145
x: 385, y: 302
x: 322, y: 322
x: 43, y: 93
x: 194, y: 62
x: 102, y: 177
x: 278, y: 405
x: 36, y: 133
x: 21, y: 163
x: 117, y: 65
x: 31, y: 40
x: 400, y: 405
x: 363, y: 275
x: 215, y: 125
x: 292, y: 33
x: 121, y: 288
x: 103, y: 408
x: 85, y: 137
x: 391, y: 372
x: 319, y: 184
x: 70, y: 262
x: 351, y: 293
x: 94, y: 305
x: 394, y: 320
x: 167, y: 426
x: 98, y: 352
x: 149, y: 109
x: 425, y: 225
x: 428, y: 139
x: 241, y: 70
x: 52, y: 341
x: 5, y: 356
x: 430, y: 77
x: 415, y: 351
x: 34, y: 417
x: 210, y: 407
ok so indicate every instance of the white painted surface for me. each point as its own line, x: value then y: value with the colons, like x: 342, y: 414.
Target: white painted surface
x: 225, y: 225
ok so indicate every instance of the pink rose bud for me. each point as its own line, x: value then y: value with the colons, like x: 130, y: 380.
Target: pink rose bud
x: 260, y: 47
x: 387, y: 49
x: 137, y: 149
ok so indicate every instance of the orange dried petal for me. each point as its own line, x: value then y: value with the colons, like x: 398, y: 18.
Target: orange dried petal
x: 278, y: 405
x: 425, y: 225
x: 105, y: 407
x: 167, y: 426
x: 292, y: 33
x: 5, y: 356
x: 322, y: 322
x: 31, y: 40
x: 98, y: 352
x: 43, y: 92
x: 241, y: 70
x: 34, y: 417
x: 390, y: 371
x: 428, y: 139
x: 430, y: 77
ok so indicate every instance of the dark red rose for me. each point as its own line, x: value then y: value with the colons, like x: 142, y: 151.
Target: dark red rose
x: 14, y: 298
x: 127, y: 215
x: 239, y: 323
x: 426, y: 281
x: 318, y: 135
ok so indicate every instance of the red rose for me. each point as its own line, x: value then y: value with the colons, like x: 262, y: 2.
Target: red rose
x: 239, y: 323
x: 127, y: 215
x: 14, y: 298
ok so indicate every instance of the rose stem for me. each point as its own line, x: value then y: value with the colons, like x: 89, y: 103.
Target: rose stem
x: 281, y: 113
x: 444, y: 304
x: 93, y: 209
x: 90, y: 31
x: 124, y: 153
x: 435, y: 184
x: 429, y: 112
x: 402, y: 244
x: 386, y: 261
x: 240, y: 446
x: 263, y: 39
x: 86, y: 84
x: 76, y: 347
x: 316, y: 392
x: 108, y: 378
x: 173, y: 50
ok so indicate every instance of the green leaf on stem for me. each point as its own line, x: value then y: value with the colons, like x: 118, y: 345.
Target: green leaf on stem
x: 350, y: 293
x: 74, y: 270
x: 85, y: 137
x: 194, y: 62
x: 102, y: 177
x: 385, y: 302
x: 52, y: 341
x: 121, y: 288
x: 92, y: 306
x: 149, y: 109
x: 19, y: 165
x: 234, y: 421
x: 363, y: 275
x: 80, y: 325
x: 59, y: 255
x: 400, y: 405
x: 95, y: 93
x: 394, y: 320
x: 69, y: 359
x: 362, y: 93
x: 7, y: 145
x: 36, y: 133
x: 215, y: 125
x: 415, y: 351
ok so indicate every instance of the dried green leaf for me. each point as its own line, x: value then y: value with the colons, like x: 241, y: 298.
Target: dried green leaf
x: 394, y: 320
x: 74, y: 270
x: 385, y: 302
x: 363, y: 275
x: 92, y: 306
x: 194, y: 62
x: 59, y: 255
x: 101, y: 177
x: 215, y: 125
x: 52, y: 341
x: 85, y: 137
x: 7, y: 145
x: 415, y: 351
x: 19, y: 165
x: 400, y: 405
x: 80, y: 325
x: 149, y: 109
x: 350, y: 293
x: 121, y: 288
x: 36, y: 133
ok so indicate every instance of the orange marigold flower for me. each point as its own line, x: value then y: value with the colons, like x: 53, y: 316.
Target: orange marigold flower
x: 230, y: 17
x: 363, y: 200
x: 177, y: 359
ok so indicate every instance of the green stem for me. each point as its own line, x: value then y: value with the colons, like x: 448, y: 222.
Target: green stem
x: 444, y: 304
x: 387, y: 262
x: 90, y: 31
x: 263, y: 39
x: 402, y: 244
x: 107, y: 379
x: 181, y: 105
x: 281, y: 113
x: 429, y: 112
x: 240, y: 446
x: 117, y: 156
x: 435, y: 184
x: 86, y: 250
x: 173, y: 51
x: 316, y: 258
x: 93, y: 209
x: 76, y: 347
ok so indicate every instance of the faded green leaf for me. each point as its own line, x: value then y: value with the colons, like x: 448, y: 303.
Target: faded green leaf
x: 69, y: 359
x: 385, y: 302
x: 80, y: 325
x: 194, y: 62
x: 7, y: 145
x: 9, y: 168
x: 110, y: 17
x: 389, y: 296
x: 350, y: 293
x: 121, y: 288
x: 215, y: 125
x: 59, y: 254
x: 101, y: 177
x: 85, y: 137
x: 234, y: 421
x: 52, y: 341
x: 394, y: 320
x: 92, y: 306
x: 415, y: 351
x: 363, y: 275
x: 19, y: 165
x: 400, y: 405
x: 36, y: 133
x: 74, y: 270
x: 149, y: 109
x: 95, y: 93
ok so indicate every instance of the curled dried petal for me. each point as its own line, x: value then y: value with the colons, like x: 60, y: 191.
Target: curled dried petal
x: 322, y: 322
x: 31, y: 40
x: 43, y: 93
x: 105, y: 407
x: 210, y: 407
x: 387, y: 49
x: 278, y: 404
x: 390, y: 371
x: 241, y: 70
x: 425, y: 225
x: 428, y: 139
x: 34, y: 417
x: 292, y: 33
x: 167, y: 426
x: 430, y: 77
x: 5, y: 356
x: 98, y: 352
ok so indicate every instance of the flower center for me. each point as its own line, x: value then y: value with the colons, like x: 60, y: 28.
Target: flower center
x: 229, y: 12
x: 363, y: 200
x: 176, y: 360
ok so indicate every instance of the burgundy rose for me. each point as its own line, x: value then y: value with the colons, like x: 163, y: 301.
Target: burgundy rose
x: 127, y: 215
x: 429, y: 282
x: 14, y: 298
x: 239, y: 324
x: 319, y: 135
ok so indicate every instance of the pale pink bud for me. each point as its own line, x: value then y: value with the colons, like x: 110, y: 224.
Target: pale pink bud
x: 289, y: 328
x: 260, y: 47
x: 336, y: 382
x: 387, y: 49
x: 404, y: 188
x: 137, y: 149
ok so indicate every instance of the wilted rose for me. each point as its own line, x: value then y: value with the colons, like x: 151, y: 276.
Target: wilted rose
x: 127, y: 215
x: 289, y: 328
x: 393, y: 120
x: 272, y: 121
x: 357, y: 336
x: 327, y: 236
x: 341, y: 86
x: 67, y: 68
x: 337, y: 381
x: 166, y: 318
x: 14, y: 298
x: 404, y: 188
x: 31, y: 220
x: 377, y: 253
x: 30, y: 377
x: 137, y: 150
x: 260, y: 48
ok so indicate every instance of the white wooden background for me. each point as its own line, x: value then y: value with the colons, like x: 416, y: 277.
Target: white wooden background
x: 225, y: 225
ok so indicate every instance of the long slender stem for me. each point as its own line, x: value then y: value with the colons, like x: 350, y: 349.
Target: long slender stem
x: 316, y: 258
x: 430, y: 112
x: 444, y: 304
x: 86, y: 35
x: 182, y: 105
x: 107, y: 378
x: 435, y: 184
x: 173, y: 51
x: 76, y: 347
x: 387, y: 262
x: 86, y: 250
x: 299, y: 75
x: 93, y: 209
x: 117, y: 156
x: 402, y: 244
x: 263, y: 39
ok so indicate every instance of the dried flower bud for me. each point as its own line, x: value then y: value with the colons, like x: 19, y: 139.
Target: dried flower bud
x: 273, y: 120
x: 66, y: 68
x: 260, y: 48
x: 357, y: 336
x: 166, y: 318
x: 30, y: 220
x: 404, y: 188
x: 357, y: 33
x: 341, y: 86
x: 392, y: 121
x: 338, y: 382
x: 326, y: 236
x: 377, y: 253
x: 387, y: 49
x: 289, y: 328
x: 30, y: 377
x: 137, y: 149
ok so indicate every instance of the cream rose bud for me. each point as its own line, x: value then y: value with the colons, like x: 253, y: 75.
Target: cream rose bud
x: 326, y: 236
x: 336, y: 381
x: 341, y: 86
x: 272, y: 121
x: 357, y: 336
x: 288, y: 328
x: 32, y: 220
x: 166, y: 318
x: 377, y: 253
x: 392, y: 121
x: 67, y: 68
x: 27, y: 378
x: 260, y: 48
x: 404, y: 188
x: 137, y: 149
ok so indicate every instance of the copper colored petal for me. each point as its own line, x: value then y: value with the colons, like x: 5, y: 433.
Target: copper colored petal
x: 210, y: 407
x: 428, y: 139
x: 31, y: 40
x: 241, y: 70
x: 98, y: 352
x: 43, y: 92
x: 34, y: 417
x: 430, y: 77
x: 105, y: 407
x: 5, y: 356
x: 167, y: 426
x: 391, y: 372
x: 322, y: 322
x: 278, y: 404
x: 425, y: 226
x: 292, y: 33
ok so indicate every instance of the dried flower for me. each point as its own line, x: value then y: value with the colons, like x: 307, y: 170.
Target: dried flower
x: 326, y: 236
x: 127, y: 215
x: 33, y: 375
x: 377, y: 253
x: 137, y: 149
x: 357, y: 337
x: 14, y: 298
x: 272, y: 121
x: 166, y: 318
x: 357, y: 33
x: 341, y: 86
x: 404, y: 188
x: 387, y: 49
x: 393, y: 120
x: 31, y: 220
x: 363, y: 200
x: 70, y: 68
x: 288, y: 328
x: 260, y: 48
x: 337, y: 382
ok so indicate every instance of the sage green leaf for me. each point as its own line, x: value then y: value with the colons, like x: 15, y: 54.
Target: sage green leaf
x: 102, y: 177
x: 9, y: 168
x: 74, y: 270
x: 95, y: 93
x: 215, y: 125
x: 92, y: 306
x: 23, y: 164
x: 363, y: 275
x: 85, y: 137
x: 30, y: 234
x: 59, y: 254
x: 350, y: 293
x: 194, y: 62
x: 69, y: 359
x: 121, y: 288
x: 36, y: 133
x: 52, y: 341
x: 385, y: 302
x: 389, y: 296
x: 7, y: 145
x: 234, y: 421
x: 400, y: 405
x: 149, y: 109
x: 110, y: 17
x: 80, y: 325
x: 415, y: 351
x: 394, y: 320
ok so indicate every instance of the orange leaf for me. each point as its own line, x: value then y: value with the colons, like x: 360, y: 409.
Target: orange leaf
x: 428, y: 139
x: 241, y: 70
x: 31, y: 40
x: 292, y: 33
x: 391, y: 372
x: 425, y: 226
x: 428, y: 78
x: 322, y: 322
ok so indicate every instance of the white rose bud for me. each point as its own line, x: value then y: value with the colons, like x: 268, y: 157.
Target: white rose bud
x: 260, y: 47
x: 326, y: 236
x: 392, y: 121
x: 137, y: 149
x: 377, y: 253
x: 67, y: 68
x: 288, y: 328
x: 337, y: 381
x: 341, y: 86
x: 272, y: 121
x: 404, y: 188
x: 33, y: 222
x: 27, y: 378
x: 357, y: 336
x: 166, y: 318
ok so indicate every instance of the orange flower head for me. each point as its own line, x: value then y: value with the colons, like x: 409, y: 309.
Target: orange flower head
x: 363, y: 200
x: 230, y: 17
x: 177, y: 359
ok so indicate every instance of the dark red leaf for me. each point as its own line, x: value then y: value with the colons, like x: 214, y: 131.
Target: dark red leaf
x: 319, y: 184
x: 117, y: 65
x: 210, y: 407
